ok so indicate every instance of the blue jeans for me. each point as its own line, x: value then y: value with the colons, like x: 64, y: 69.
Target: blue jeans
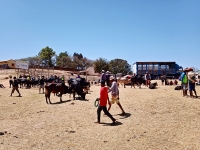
x: 191, y: 86
x: 185, y: 86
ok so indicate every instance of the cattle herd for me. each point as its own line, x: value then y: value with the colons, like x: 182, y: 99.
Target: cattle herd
x: 54, y: 85
x: 76, y: 85
x: 136, y: 80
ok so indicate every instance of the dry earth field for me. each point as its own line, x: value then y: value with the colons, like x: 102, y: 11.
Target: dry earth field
x: 159, y: 119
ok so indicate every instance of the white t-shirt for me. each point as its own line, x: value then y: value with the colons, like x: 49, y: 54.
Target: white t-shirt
x: 114, y: 89
x: 191, y: 76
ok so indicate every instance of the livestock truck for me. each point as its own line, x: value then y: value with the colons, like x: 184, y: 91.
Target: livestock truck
x: 157, y: 69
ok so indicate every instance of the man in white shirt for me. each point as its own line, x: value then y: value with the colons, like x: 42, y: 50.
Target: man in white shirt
x: 115, y: 95
x: 192, y: 80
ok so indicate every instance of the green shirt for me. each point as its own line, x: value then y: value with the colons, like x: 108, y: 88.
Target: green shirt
x: 185, y: 79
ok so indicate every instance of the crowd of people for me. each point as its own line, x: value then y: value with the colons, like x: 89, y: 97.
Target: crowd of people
x: 28, y: 81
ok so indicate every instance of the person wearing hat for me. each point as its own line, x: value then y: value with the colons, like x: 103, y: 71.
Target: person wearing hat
x: 147, y: 77
x: 103, y: 102
x: 115, y: 95
x: 10, y: 81
x: 108, y: 78
x: 41, y: 84
x: 184, y: 81
x: 15, y: 87
x: 192, y: 80
x: 103, y: 76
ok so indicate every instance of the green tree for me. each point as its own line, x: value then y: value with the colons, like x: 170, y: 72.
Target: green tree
x: 46, y: 54
x: 119, y: 66
x: 86, y: 63
x: 63, y: 54
x: 80, y: 62
x: 101, y: 64
x: 79, y: 56
x: 64, y: 61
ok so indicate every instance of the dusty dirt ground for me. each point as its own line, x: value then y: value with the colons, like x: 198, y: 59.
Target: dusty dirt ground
x: 159, y: 119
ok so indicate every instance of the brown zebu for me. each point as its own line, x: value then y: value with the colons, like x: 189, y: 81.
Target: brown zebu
x: 55, y: 88
x: 124, y: 80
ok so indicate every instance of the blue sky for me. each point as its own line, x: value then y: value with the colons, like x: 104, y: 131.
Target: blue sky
x: 133, y: 30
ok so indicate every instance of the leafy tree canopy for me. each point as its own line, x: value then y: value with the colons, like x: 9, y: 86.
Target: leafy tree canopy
x: 101, y: 64
x: 46, y: 55
x: 63, y: 54
x: 79, y: 56
x: 64, y: 61
x: 119, y: 66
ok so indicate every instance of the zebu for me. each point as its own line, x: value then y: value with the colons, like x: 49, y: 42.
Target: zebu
x: 138, y: 80
x: 55, y: 88
x: 79, y: 86
x: 124, y: 80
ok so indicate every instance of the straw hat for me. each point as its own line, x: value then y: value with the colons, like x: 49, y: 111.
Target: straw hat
x: 111, y: 77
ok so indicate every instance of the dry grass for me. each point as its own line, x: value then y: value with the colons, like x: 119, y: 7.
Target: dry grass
x: 159, y: 119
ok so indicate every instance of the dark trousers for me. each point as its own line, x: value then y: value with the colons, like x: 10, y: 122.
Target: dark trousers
x: 15, y: 88
x: 108, y: 83
x: 10, y: 82
x: 28, y: 84
x: 104, y: 108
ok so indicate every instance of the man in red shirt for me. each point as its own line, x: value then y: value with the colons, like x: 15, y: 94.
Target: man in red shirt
x: 103, y: 102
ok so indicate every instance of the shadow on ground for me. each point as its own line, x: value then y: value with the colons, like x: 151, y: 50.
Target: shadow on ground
x: 123, y: 116
x: 117, y: 123
x: 60, y: 102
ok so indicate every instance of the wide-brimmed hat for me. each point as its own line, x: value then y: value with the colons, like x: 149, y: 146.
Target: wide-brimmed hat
x: 102, y: 71
x: 107, y: 72
x: 190, y: 69
x: 112, y: 78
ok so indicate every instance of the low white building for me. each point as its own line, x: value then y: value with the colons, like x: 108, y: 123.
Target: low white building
x: 89, y: 71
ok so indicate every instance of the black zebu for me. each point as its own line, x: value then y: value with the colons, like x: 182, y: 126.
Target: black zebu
x: 153, y: 85
x: 79, y: 86
x: 138, y: 80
